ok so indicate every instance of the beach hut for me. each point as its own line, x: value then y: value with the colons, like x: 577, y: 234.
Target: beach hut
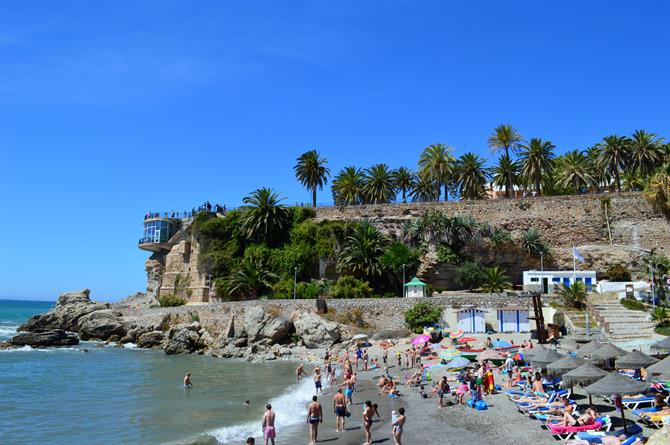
x: 415, y: 288
x: 661, y: 370
x: 635, y: 360
x: 615, y: 384
x: 513, y: 320
x: 471, y: 320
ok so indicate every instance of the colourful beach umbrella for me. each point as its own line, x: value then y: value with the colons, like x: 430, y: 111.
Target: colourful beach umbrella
x: 518, y: 356
x: 421, y: 339
x: 501, y: 344
x: 457, y: 334
x: 466, y: 339
x: 448, y: 354
x: 458, y: 362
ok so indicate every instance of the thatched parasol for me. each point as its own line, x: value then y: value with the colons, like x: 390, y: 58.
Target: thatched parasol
x: 663, y: 344
x: 660, y: 370
x: 542, y: 358
x: 589, y: 348
x: 635, y: 360
x: 489, y: 354
x: 528, y: 353
x: 615, y: 384
x: 565, y: 364
x: 584, y: 375
x: 608, y: 351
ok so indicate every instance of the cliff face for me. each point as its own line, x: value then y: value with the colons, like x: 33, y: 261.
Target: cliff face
x: 563, y: 221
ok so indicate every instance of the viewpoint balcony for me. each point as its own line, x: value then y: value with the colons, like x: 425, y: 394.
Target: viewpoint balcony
x: 158, y: 230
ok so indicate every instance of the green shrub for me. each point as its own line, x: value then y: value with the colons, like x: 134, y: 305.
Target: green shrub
x: 349, y: 287
x: 171, y: 301
x: 500, y: 236
x: 494, y: 280
x: 659, y: 314
x: 470, y: 275
x: 195, y: 317
x: 618, y: 272
x: 573, y: 295
x: 422, y: 314
x: 445, y: 254
x: 633, y: 304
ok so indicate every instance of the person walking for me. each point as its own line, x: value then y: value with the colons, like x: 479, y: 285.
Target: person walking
x: 269, y: 432
x: 367, y: 422
x: 398, y: 425
x: 314, y: 418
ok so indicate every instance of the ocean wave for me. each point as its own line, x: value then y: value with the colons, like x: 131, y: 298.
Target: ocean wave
x: 130, y: 345
x: 29, y: 349
x: 290, y: 408
x: 7, y: 331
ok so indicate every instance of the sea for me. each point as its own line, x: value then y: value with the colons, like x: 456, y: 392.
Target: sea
x: 104, y: 394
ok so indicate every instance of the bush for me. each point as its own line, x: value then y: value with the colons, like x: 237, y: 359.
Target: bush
x: 494, y: 280
x: 422, y: 314
x: 659, y: 314
x: 573, y: 295
x: 445, y: 254
x: 349, y: 287
x: 470, y: 275
x: 633, y: 304
x: 195, y: 317
x: 500, y: 236
x: 171, y: 301
x: 618, y: 272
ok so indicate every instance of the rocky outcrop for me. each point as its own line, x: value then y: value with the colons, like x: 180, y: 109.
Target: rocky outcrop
x: 102, y: 325
x: 259, y: 325
x: 70, y: 308
x: 151, y: 339
x: 56, y: 337
x: 316, y: 332
x: 182, y: 338
x: 139, y: 300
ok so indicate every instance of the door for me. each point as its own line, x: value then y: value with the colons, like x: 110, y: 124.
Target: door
x: 465, y: 320
x: 523, y: 324
x: 507, y: 320
x: 545, y: 285
x: 479, y: 322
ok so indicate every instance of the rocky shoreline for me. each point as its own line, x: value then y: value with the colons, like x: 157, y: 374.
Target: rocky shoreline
x: 262, y: 334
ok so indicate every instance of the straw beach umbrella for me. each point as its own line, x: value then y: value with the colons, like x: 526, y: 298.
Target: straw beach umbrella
x: 542, y: 358
x: 565, y: 364
x: 608, y: 351
x: 662, y: 345
x: 635, y: 360
x: 589, y: 348
x: 528, y: 353
x: 489, y: 354
x: 660, y: 370
x: 583, y: 376
x: 615, y: 384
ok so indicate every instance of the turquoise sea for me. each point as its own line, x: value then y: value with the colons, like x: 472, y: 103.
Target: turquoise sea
x: 96, y: 394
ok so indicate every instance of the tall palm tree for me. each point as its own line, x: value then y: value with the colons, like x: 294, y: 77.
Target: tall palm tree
x: 537, y: 161
x: 437, y: 161
x: 378, y: 184
x: 506, y: 173
x: 362, y: 251
x: 601, y: 176
x: 424, y: 189
x: 646, y: 152
x: 251, y: 279
x: 615, y: 156
x: 311, y: 171
x: 505, y: 137
x: 657, y: 190
x: 403, y: 179
x: 573, y: 170
x: 265, y: 219
x: 471, y: 176
x: 494, y: 280
x: 348, y: 186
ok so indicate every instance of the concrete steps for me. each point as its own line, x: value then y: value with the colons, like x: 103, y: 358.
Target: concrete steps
x: 619, y: 323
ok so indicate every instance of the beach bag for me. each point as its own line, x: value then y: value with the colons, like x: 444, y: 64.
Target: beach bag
x: 471, y: 403
x: 481, y: 405
x: 497, y: 387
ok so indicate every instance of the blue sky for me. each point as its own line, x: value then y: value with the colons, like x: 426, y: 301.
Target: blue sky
x: 109, y: 109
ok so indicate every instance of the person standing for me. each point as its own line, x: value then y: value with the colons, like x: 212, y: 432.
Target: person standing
x: 385, y: 356
x: 367, y: 422
x: 299, y: 372
x: 508, y: 367
x: 348, y: 386
x: 269, y: 425
x: 398, y: 425
x: 442, y: 390
x: 340, y: 409
x: 187, y: 381
x: 314, y: 417
x: 317, y: 380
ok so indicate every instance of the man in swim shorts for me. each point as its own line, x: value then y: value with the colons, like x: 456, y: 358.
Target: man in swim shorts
x: 348, y: 386
x: 317, y: 380
x: 314, y: 417
x: 299, y: 372
x: 187, y: 380
x: 442, y: 390
x: 340, y: 409
x: 269, y: 425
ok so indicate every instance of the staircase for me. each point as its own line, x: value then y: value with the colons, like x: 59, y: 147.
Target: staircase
x: 621, y: 324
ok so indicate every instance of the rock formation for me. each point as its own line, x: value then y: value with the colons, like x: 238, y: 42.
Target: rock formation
x: 56, y: 337
x: 316, y: 332
x: 70, y: 308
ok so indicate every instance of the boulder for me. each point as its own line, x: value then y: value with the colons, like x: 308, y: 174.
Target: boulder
x: 182, y: 338
x: 260, y: 325
x: 150, y: 339
x: 316, y: 332
x: 101, y: 324
x: 254, y: 320
x: 56, y: 337
x: 69, y: 309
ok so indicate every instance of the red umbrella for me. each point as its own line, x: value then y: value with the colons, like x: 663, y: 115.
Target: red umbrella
x: 466, y: 339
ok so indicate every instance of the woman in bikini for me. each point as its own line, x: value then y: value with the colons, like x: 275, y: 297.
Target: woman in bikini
x: 398, y: 425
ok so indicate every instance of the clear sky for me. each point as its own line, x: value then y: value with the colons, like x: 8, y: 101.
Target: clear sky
x: 109, y: 109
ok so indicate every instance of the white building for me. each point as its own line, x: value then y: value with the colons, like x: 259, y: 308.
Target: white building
x: 534, y: 280
x: 623, y: 288
x: 415, y: 288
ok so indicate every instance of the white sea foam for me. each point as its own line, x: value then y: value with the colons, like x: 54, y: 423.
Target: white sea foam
x: 7, y: 331
x: 130, y: 345
x: 291, y: 409
x: 29, y: 349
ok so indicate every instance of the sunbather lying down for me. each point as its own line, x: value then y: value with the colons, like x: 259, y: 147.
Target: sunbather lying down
x: 585, y: 419
x: 533, y: 400
x: 606, y: 440
x: 655, y: 414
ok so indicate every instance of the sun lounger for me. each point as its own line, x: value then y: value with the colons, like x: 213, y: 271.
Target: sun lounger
x: 596, y: 438
x: 635, y: 402
x: 566, y: 432
x: 651, y: 418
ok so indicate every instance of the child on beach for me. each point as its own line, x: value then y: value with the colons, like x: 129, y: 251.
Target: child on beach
x: 461, y: 391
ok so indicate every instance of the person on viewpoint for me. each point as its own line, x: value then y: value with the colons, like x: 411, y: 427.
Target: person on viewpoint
x: 269, y: 425
x: 340, y: 409
x: 314, y: 418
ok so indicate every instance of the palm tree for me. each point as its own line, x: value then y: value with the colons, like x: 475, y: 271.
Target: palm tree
x: 348, y: 186
x: 632, y: 180
x: 505, y: 137
x: 403, y: 180
x: 506, y: 173
x: 646, y: 152
x: 573, y: 295
x: 471, y: 176
x: 537, y: 161
x: 533, y: 243
x: 494, y: 280
x: 424, y: 189
x: 362, y: 251
x: 615, y: 156
x: 438, y: 162
x: 573, y: 170
x: 265, y: 219
x: 311, y: 171
x: 657, y: 190
x: 378, y: 184
x: 601, y: 176
x: 251, y: 279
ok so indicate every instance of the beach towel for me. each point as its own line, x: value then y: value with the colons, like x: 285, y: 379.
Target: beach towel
x: 560, y: 429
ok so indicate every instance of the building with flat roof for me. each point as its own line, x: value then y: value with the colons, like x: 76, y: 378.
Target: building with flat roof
x: 548, y: 280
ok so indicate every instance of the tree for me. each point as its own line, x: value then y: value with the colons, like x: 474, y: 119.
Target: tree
x: 436, y: 160
x: 470, y: 275
x: 537, y: 161
x: 311, y: 171
x: 424, y: 188
x: 646, y: 152
x: 573, y: 170
x: 378, y: 184
x: 600, y: 175
x: 348, y: 186
x: 421, y: 315
x: 618, y: 272
x: 506, y: 174
x: 533, y: 243
x: 403, y: 180
x: 615, y: 156
x: 362, y: 251
x: 471, y: 176
x: 505, y: 137
x: 657, y: 190
x: 494, y: 280
x: 397, y: 255
x: 265, y: 219
x: 251, y: 279
x: 573, y: 295
x: 349, y: 287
